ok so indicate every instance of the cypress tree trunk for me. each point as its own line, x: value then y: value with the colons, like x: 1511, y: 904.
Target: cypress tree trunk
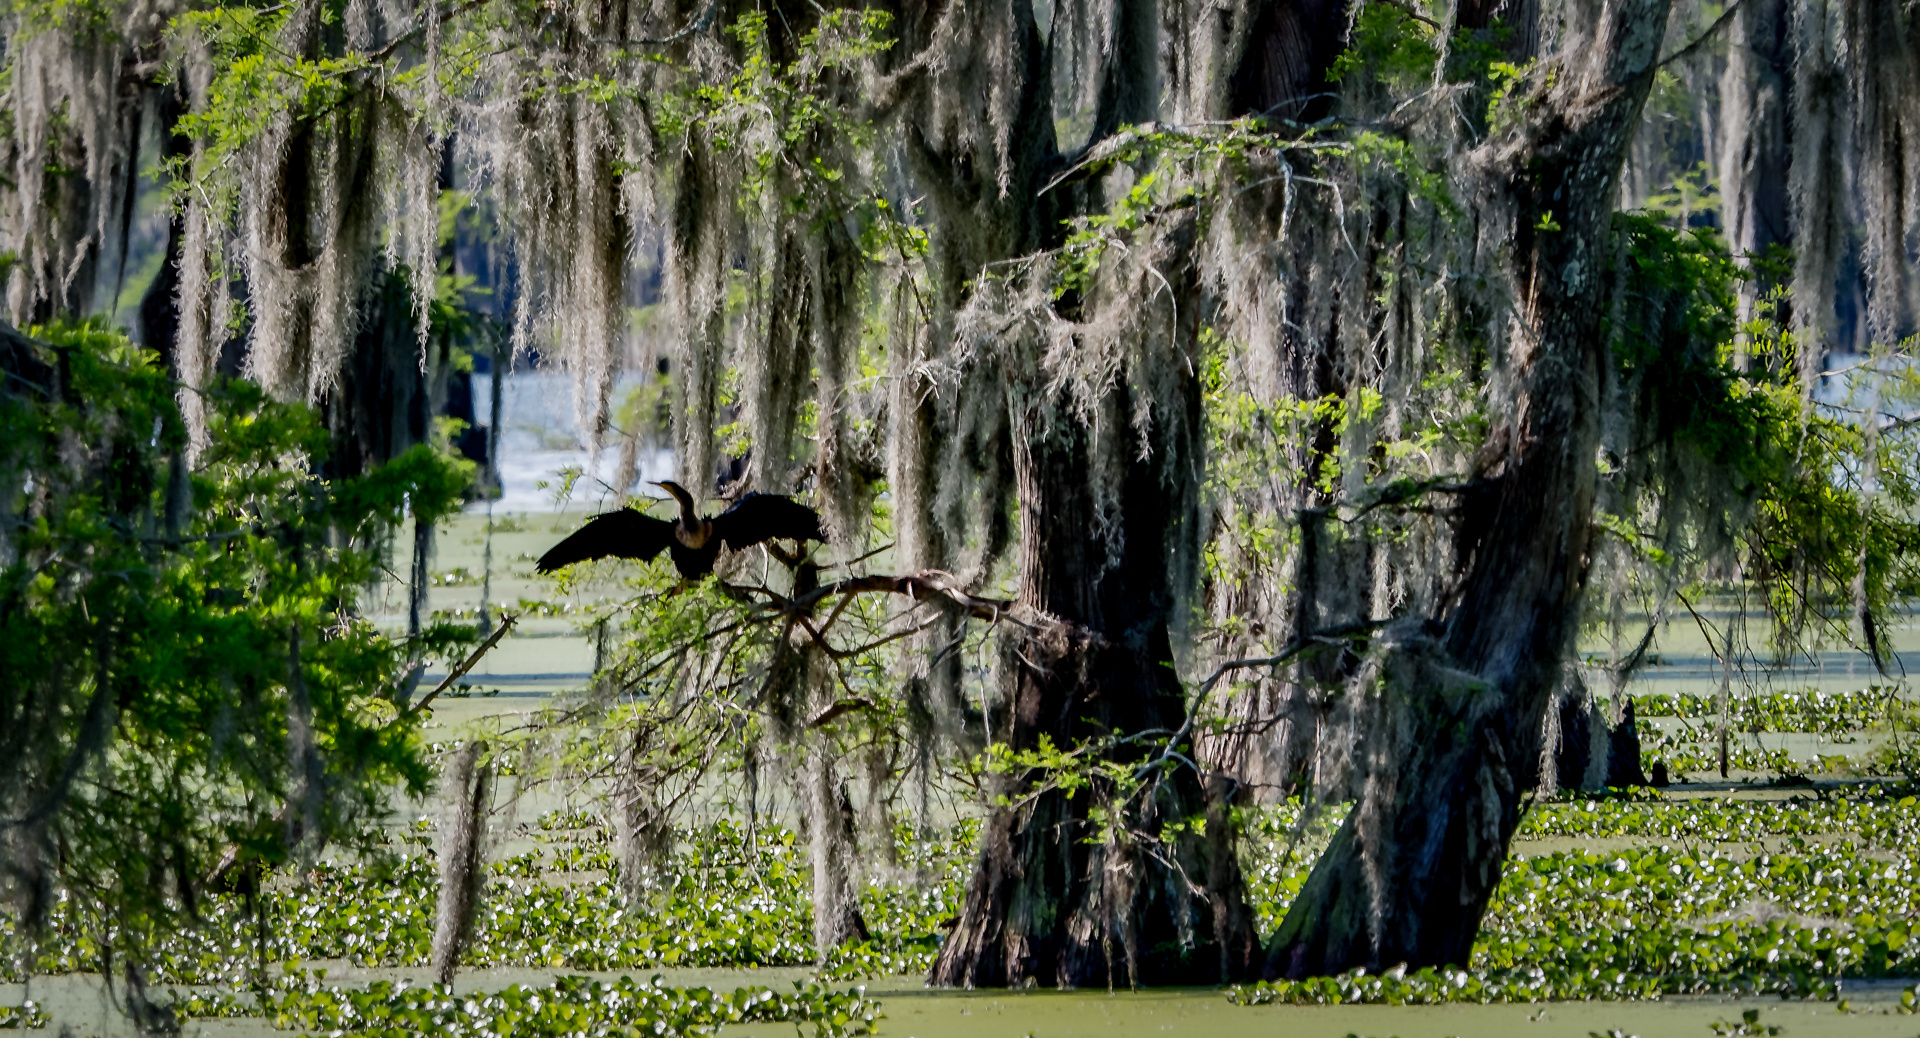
x: 800, y: 683
x: 1095, y: 887
x: 1754, y: 163
x: 1055, y: 898
x: 836, y: 909
x: 463, y: 876
x: 1410, y: 873
x: 642, y: 830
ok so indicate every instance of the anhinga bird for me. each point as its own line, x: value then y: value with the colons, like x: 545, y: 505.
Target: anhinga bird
x: 692, y: 542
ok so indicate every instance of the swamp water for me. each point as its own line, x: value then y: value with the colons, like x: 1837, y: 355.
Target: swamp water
x: 912, y: 1011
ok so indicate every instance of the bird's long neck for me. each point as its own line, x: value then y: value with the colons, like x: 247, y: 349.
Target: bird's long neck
x: 688, y: 516
x: 692, y: 530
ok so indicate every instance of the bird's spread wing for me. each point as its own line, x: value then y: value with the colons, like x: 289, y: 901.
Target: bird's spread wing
x: 626, y: 534
x: 761, y: 517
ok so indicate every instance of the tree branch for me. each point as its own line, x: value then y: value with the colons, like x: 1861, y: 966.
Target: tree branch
x: 1711, y: 31
x: 1331, y: 635
x: 415, y: 33
x: 928, y: 583
x: 839, y: 707
x: 506, y: 624
x: 700, y: 23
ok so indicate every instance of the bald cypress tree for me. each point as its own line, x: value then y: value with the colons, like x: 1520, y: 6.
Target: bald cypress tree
x: 1304, y: 374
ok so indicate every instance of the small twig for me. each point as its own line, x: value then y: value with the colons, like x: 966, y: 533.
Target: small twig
x: 208, y: 538
x: 1292, y: 649
x: 819, y: 638
x: 1711, y: 31
x: 862, y: 558
x: 1410, y: 11
x: 1396, y: 494
x: 413, y: 34
x: 839, y: 707
x: 1697, y: 619
x: 506, y: 624
x: 701, y: 23
x: 1632, y: 662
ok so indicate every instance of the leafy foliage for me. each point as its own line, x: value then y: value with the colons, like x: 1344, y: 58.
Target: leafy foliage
x: 23, y: 1016
x: 1392, y: 41
x: 569, y: 1006
x: 1637, y: 922
x: 719, y: 901
x: 186, y: 686
x: 572, y: 1006
x: 1649, y: 921
x: 1799, y: 710
x: 1814, y: 499
x: 1883, y: 824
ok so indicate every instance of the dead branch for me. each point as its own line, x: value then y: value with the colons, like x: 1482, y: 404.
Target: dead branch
x: 927, y: 584
x: 1329, y: 636
x: 506, y: 624
x: 836, y: 709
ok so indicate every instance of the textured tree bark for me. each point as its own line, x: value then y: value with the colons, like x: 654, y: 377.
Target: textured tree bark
x: 800, y: 684
x: 1754, y: 163
x: 469, y: 790
x: 642, y: 832
x: 1056, y: 898
x: 1282, y: 72
x: 1408, y: 877
x: 1053, y: 899
x: 836, y: 909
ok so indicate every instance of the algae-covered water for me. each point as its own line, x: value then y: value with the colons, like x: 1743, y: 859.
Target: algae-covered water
x: 1078, y: 1014
x: 912, y: 1011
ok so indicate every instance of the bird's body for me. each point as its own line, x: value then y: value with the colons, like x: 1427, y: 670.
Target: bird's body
x: 692, y: 542
x: 695, y: 550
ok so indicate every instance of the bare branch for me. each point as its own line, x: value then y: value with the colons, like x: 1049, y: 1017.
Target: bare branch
x: 927, y: 583
x: 1711, y: 31
x: 838, y: 708
x: 506, y: 624
x: 1331, y: 635
x: 413, y: 34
